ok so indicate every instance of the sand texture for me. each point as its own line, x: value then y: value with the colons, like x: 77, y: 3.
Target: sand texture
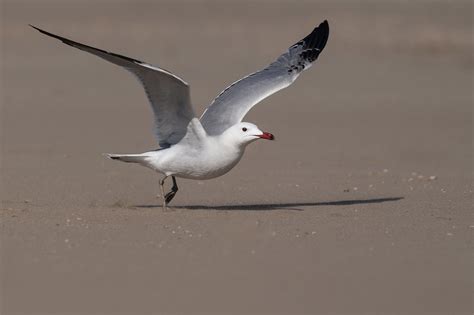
x: 363, y: 204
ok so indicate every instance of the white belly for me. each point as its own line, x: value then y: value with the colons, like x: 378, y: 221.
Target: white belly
x: 199, y: 163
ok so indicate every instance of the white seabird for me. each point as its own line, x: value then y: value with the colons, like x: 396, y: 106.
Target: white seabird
x: 212, y: 145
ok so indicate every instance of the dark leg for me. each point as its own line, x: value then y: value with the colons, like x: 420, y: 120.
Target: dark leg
x: 162, y: 183
x: 169, y: 196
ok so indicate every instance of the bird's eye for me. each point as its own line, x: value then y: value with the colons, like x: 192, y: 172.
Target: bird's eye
x: 244, y: 129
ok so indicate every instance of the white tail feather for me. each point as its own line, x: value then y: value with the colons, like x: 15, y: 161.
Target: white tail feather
x: 129, y: 158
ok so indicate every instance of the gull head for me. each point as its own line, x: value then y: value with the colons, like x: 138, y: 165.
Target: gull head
x: 244, y: 133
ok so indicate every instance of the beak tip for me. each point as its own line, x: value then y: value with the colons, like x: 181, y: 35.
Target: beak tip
x: 267, y: 136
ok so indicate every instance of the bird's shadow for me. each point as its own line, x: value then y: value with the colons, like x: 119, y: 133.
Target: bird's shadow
x: 296, y: 206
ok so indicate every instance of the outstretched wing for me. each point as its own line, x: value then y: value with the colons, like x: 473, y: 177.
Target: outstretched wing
x: 232, y: 104
x: 168, y: 94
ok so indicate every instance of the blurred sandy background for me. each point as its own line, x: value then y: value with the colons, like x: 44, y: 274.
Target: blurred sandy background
x: 338, y: 216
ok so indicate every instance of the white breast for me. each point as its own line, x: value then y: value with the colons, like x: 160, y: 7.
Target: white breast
x: 209, y: 160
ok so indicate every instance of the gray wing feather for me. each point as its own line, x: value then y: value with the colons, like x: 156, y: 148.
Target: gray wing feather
x: 168, y: 94
x: 232, y: 104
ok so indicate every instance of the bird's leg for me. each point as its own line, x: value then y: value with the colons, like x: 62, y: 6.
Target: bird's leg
x: 169, y: 196
x: 162, y: 183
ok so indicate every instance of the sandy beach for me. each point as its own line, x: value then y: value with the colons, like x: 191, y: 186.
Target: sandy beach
x: 363, y: 204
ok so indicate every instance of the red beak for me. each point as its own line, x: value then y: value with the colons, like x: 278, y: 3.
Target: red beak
x: 267, y: 136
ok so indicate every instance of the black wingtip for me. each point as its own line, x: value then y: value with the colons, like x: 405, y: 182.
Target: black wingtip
x: 83, y: 46
x: 64, y: 40
x: 319, y: 37
x: 47, y: 33
x: 325, y: 26
x: 38, y: 29
x: 314, y: 43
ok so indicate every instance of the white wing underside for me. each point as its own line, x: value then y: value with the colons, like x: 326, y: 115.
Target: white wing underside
x: 232, y: 104
x: 168, y: 94
x: 230, y: 107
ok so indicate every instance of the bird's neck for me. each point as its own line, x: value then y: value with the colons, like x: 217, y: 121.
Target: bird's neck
x: 228, y: 142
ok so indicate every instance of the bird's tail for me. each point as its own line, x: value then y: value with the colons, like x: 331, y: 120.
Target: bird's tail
x: 129, y: 158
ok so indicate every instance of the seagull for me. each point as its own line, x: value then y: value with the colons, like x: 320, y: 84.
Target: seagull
x: 209, y: 146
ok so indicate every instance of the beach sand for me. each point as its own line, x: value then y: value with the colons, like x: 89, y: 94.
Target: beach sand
x: 363, y: 204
